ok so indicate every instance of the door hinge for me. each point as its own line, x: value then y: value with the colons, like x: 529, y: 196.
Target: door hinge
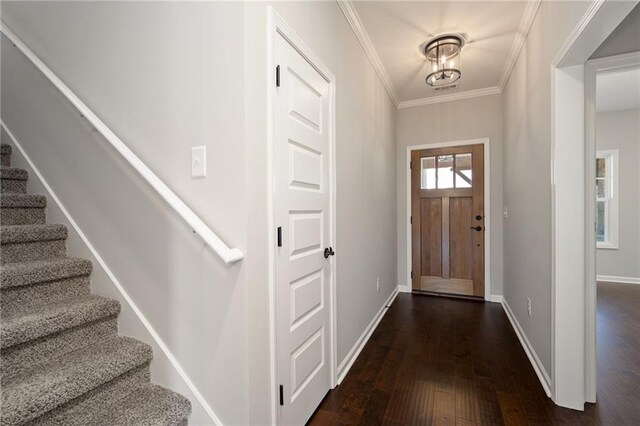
x: 410, y: 165
x: 411, y: 274
x: 278, y: 76
x: 411, y: 220
x: 279, y: 236
x: 281, y: 395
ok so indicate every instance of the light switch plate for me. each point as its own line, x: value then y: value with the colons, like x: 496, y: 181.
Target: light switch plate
x: 198, y: 161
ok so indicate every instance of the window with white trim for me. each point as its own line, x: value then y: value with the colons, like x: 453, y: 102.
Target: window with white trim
x: 607, y: 199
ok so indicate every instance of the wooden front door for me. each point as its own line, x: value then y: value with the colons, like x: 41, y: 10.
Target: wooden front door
x: 447, y: 220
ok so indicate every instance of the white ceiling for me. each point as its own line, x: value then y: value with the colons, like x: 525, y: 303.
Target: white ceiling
x: 618, y: 91
x: 495, y: 32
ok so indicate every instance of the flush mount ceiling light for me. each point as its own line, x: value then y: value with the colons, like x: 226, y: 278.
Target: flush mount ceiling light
x: 443, y: 54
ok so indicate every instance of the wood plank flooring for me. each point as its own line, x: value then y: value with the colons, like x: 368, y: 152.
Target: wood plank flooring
x: 440, y: 361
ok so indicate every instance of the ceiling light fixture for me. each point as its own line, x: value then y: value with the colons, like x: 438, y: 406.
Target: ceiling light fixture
x: 443, y: 54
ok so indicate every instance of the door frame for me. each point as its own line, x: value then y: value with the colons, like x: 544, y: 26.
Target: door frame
x: 277, y: 26
x: 573, y: 283
x: 487, y: 206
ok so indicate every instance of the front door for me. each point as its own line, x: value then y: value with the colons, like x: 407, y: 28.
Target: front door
x: 447, y: 220
x: 302, y: 190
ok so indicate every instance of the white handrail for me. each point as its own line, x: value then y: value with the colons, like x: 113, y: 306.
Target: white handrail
x: 228, y: 255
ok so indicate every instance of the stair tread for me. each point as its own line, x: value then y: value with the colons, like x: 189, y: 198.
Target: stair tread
x: 38, y: 271
x: 30, y: 233
x: 5, y: 148
x: 51, y: 384
x: 32, y: 322
x: 151, y: 405
x: 14, y: 173
x: 17, y: 200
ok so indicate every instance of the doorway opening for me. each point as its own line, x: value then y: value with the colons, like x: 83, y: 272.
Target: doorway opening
x: 573, y: 346
x: 615, y: 182
x: 448, y: 226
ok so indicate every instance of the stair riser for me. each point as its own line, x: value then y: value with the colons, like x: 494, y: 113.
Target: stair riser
x: 13, y: 186
x: 5, y: 160
x: 77, y: 411
x: 42, y: 293
x: 26, y: 355
x: 22, y: 216
x: 35, y: 250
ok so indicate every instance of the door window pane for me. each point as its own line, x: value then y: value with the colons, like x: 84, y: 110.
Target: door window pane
x: 463, y: 177
x: 428, y: 172
x: 445, y: 171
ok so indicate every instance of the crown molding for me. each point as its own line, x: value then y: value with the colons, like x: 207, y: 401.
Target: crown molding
x: 528, y: 17
x: 467, y: 94
x: 357, y: 26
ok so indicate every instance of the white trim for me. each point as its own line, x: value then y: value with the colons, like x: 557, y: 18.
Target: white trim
x: 487, y: 205
x: 541, y: 372
x: 156, y: 337
x: 568, y: 185
x: 617, y: 63
x: 495, y: 298
x: 349, y: 11
x: 351, y: 357
x: 228, y: 255
x: 467, y: 94
x: 528, y: 17
x: 572, y: 40
x: 619, y: 280
x: 277, y: 25
x: 404, y: 289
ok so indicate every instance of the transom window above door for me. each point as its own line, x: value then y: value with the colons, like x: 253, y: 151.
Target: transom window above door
x: 446, y: 171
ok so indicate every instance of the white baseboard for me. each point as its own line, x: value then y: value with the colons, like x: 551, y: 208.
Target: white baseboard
x: 96, y: 256
x: 404, y: 289
x: 619, y: 280
x: 543, y: 376
x: 495, y: 298
x: 351, y: 357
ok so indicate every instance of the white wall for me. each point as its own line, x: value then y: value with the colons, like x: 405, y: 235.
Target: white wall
x: 621, y: 130
x: 164, y: 77
x: 444, y: 122
x: 366, y: 179
x: 527, y: 174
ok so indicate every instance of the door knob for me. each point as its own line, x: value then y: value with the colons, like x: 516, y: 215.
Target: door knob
x: 328, y: 252
x: 477, y: 228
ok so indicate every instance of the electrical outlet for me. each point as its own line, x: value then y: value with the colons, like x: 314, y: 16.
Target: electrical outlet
x: 505, y: 213
x: 198, y: 161
x: 378, y: 284
x: 529, y: 306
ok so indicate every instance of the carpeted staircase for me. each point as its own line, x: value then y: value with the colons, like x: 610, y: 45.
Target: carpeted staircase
x: 62, y: 361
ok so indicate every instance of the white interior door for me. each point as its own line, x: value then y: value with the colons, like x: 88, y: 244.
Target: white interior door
x: 302, y: 212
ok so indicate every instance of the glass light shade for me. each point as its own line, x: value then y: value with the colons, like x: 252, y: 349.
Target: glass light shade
x: 443, y: 54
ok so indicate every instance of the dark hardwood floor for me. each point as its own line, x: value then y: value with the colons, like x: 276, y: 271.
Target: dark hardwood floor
x: 443, y: 361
